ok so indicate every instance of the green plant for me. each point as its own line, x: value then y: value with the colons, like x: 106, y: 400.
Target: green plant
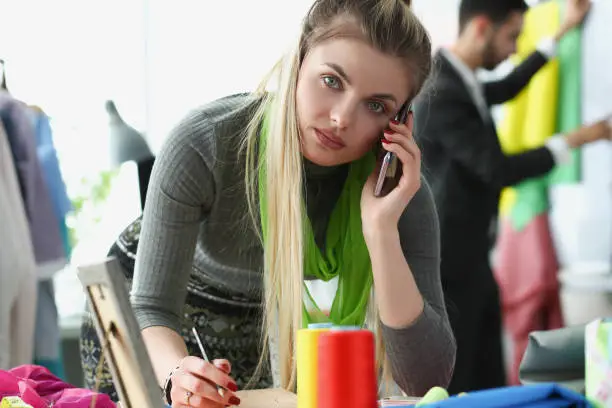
x: 87, y: 201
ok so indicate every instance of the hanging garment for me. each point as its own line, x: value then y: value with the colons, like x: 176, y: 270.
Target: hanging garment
x: 17, y: 268
x: 47, y: 350
x: 48, y: 336
x: 50, y: 164
x: 530, y: 296
x: 44, y: 227
x: 526, y: 263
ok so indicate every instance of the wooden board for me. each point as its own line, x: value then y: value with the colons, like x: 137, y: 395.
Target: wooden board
x: 122, y: 344
x: 275, y: 398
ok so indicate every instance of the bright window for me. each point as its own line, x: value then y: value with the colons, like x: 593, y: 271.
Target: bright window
x: 157, y: 60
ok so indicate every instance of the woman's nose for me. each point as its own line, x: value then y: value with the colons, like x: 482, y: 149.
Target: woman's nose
x: 342, y: 114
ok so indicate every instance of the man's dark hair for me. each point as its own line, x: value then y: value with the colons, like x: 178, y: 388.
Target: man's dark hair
x: 496, y: 10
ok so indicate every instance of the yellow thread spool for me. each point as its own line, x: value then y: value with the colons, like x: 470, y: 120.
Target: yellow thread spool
x: 307, y: 364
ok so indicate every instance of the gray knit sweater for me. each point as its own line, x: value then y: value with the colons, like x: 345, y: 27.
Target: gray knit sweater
x: 196, y: 222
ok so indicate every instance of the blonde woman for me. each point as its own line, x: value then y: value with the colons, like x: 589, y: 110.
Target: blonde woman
x: 299, y: 163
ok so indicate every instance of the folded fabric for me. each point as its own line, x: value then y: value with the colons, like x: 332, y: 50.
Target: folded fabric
x: 555, y: 356
x: 36, y: 386
x: 530, y: 396
x: 13, y: 402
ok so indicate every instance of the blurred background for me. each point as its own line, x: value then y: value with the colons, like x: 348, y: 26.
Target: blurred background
x: 155, y: 60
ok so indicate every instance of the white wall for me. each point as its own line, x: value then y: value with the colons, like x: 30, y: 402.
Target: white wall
x: 157, y: 59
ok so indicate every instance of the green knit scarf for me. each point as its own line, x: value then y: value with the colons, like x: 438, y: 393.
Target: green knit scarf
x: 346, y: 254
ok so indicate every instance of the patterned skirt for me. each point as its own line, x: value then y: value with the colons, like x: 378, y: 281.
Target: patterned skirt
x: 228, y: 326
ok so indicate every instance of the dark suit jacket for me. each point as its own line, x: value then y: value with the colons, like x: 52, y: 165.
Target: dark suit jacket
x: 464, y: 163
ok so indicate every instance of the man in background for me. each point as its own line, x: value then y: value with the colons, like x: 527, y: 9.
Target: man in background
x: 467, y: 169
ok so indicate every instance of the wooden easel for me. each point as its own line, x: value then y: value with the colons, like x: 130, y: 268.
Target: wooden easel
x: 122, y: 344
x: 125, y: 351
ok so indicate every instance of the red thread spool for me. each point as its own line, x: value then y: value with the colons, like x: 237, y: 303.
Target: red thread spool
x: 347, y: 369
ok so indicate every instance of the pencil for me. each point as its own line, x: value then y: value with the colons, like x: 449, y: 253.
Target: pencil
x: 220, y: 389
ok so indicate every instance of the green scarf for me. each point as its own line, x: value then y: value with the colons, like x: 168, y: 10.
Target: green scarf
x: 346, y: 254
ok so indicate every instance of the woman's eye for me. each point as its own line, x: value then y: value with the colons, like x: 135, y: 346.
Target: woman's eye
x: 376, y: 107
x: 331, y: 82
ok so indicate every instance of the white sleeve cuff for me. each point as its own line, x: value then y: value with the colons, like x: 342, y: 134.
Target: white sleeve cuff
x: 548, y: 47
x: 559, y: 149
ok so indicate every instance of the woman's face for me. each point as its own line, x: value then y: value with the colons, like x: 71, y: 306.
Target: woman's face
x: 347, y: 92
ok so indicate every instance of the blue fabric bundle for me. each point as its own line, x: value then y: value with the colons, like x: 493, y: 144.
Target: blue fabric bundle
x: 530, y: 396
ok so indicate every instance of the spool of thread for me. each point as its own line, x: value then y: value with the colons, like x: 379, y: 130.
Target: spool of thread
x: 347, y: 369
x: 436, y: 394
x: 307, y: 364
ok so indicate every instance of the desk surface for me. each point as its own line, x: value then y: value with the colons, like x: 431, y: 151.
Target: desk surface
x: 275, y: 398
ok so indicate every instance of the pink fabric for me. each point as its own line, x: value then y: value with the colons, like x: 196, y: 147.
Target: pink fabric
x: 41, y: 389
x: 537, y: 313
x: 526, y: 272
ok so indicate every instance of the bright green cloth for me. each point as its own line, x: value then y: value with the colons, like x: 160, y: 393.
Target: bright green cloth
x: 346, y: 254
x: 569, y: 106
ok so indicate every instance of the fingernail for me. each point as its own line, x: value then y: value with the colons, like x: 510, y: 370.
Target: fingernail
x: 395, y: 122
x: 232, y: 387
x: 385, y: 141
x: 234, y: 401
x: 388, y: 132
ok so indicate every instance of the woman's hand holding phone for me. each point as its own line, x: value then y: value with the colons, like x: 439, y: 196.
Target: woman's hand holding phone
x: 385, y: 211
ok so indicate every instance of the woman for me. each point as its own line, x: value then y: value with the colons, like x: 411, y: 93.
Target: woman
x: 244, y: 162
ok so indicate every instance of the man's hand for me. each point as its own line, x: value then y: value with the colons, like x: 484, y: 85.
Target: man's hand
x: 601, y: 130
x: 575, y: 13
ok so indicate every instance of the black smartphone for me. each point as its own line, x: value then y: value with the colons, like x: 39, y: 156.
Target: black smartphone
x: 390, y: 170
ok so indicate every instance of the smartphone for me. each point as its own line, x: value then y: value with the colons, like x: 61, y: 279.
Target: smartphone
x: 390, y: 172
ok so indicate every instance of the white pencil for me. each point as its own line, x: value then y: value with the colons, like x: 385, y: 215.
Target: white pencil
x: 220, y: 389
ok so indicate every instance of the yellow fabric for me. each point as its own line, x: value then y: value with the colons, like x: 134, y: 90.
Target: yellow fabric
x: 530, y: 118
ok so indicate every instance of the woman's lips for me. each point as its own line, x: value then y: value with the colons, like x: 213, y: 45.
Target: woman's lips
x: 329, y: 140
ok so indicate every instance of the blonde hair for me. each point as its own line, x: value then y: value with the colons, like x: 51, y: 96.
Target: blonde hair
x: 389, y: 26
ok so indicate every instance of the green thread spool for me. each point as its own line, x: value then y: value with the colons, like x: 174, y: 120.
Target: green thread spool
x: 436, y: 394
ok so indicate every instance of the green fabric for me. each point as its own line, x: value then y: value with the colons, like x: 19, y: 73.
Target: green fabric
x: 346, y: 254
x: 531, y: 201
x: 569, y: 115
